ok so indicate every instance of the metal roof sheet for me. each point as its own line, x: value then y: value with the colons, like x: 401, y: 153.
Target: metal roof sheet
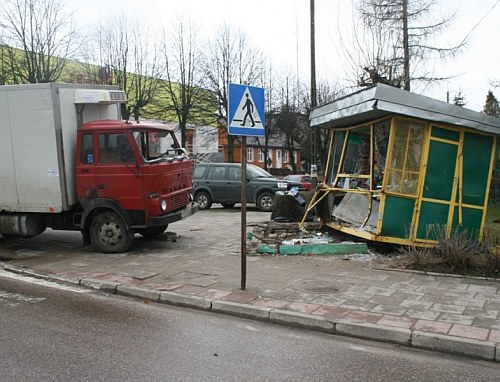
x: 383, y: 100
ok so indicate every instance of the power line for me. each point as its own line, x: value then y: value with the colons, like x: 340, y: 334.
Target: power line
x: 468, y: 35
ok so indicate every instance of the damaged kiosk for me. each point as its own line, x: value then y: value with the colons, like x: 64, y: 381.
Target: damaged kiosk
x: 401, y: 164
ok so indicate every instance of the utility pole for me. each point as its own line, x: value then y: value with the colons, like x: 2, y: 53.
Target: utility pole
x: 313, y: 59
x: 406, y: 47
x: 313, y: 95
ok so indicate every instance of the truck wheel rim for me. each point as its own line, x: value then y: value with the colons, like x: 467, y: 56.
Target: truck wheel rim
x: 110, y: 233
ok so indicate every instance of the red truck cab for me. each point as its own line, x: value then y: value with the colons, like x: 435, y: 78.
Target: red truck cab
x: 130, y: 177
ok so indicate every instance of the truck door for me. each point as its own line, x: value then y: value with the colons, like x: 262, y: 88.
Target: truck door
x: 85, y: 167
x: 117, y: 175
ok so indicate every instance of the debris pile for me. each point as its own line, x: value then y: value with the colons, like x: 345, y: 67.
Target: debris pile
x: 288, y: 239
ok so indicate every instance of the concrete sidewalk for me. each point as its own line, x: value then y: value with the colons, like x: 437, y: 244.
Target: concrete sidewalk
x: 198, y: 266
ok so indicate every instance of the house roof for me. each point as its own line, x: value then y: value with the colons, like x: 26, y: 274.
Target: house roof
x: 383, y: 100
x: 275, y: 141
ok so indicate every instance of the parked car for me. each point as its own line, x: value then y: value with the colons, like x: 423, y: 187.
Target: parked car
x: 305, y: 180
x: 221, y: 183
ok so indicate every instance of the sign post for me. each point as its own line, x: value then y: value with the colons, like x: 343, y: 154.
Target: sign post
x: 243, y: 212
x: 245, y: 118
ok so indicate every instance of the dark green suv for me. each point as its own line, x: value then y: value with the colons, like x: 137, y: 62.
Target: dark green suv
x: 221, y: 183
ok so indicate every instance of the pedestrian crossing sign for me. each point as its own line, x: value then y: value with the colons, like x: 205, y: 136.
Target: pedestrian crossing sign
x: 246, y: 110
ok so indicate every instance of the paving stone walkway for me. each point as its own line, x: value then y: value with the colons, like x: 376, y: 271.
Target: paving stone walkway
x: 198, y: 264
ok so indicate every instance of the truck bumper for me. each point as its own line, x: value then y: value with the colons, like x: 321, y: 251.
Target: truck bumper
x: 190, y: 209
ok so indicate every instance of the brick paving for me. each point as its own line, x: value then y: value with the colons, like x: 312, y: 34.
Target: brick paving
x: 203, y: 259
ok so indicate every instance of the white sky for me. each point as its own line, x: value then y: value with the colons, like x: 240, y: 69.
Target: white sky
x: 281, y: 29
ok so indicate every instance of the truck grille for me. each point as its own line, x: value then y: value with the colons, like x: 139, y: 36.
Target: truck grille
x: 179, y: 201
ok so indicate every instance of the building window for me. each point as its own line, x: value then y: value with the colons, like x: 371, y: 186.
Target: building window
x: 285, y: 156
x: 250, y: 154
x: 295, y: 158
x: 261, y: 156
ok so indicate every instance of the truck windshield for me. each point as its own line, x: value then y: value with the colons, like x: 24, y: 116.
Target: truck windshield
x: 156, y: 144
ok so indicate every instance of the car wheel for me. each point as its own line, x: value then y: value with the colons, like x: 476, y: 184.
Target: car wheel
x: 204, y: 200
x: 265, y: 202
x: 110, y: 234
x: 228, y: 205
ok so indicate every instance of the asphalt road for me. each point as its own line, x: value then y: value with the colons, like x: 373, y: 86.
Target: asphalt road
x: 53, y: 334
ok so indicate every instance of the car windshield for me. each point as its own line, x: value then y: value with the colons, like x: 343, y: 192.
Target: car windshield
x: 155, y: 144
x: 256, y: 172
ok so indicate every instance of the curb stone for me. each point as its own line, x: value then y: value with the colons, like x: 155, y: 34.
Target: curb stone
x: 302, y: 320
x: 105, y: 286
x: 138, y: 292
x: 374, y: 332
x: 420, y: 340
x: 187, y: 301
x: 66, y: 279
x: 454, y: 345
x: 234, y: 308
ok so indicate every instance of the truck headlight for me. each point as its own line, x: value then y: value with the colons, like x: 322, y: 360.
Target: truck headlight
x: 282, y: 185
x: 163, y: 205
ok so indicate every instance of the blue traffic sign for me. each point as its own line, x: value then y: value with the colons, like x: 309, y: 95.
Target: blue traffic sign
x: 246, y: 110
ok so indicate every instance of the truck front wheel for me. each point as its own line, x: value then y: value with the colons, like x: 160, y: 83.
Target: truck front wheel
x: 110, y: 234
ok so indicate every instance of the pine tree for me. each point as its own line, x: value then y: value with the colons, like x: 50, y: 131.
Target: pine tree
x: 459, y: 99
x: 491, y: 106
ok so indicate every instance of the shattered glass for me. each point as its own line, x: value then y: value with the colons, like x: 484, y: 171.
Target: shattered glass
x: 406, y: 157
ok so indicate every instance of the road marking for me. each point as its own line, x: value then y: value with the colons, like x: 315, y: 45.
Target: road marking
x: 46, y: 283
x: 14, y: 299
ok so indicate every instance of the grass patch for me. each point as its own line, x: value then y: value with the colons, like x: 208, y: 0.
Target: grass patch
x: 458, y: 254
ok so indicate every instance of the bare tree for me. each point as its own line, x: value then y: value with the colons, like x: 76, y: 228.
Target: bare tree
x: 146, y: 77
x: 291, y: 118
x: 399, y: 42
x: 38, y: 37
x: 231, y: 59
x: 270, y: 110
x: 325, y: 92
x: 111, y: 52
x: 127, y: 55
x: 183, y: 85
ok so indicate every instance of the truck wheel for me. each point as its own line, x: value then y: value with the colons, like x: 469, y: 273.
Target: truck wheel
x: 204, y: 200
x: 152, y: 232
x: 110, y: 234
x: 265, y: 202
